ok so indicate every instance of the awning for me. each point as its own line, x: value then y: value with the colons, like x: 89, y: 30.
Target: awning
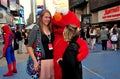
x: 6, y: 18
x: 30, y: 26
x: 74, y: 3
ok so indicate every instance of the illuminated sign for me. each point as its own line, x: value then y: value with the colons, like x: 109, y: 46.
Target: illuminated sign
x: 109, y: 14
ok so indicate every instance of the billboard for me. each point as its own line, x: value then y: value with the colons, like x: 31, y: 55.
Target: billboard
x: 110, y: 14
x: 49, y: 4
x: 52, y: 5
x: 56, y: 5
x: 4, y: 3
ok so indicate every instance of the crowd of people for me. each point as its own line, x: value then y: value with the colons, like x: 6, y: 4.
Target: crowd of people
x: 102, y: 35
x: 56, y: 47
x: 43, y: 43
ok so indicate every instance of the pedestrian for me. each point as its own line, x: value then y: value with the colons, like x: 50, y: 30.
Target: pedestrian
x: 118, y: 38
x: 114, y: 39
x: 83, y: 33
x: 104, y: 37
x: 8, y: 50
x: 114, y: 27
x: 68, y: 62
x: 25, y: 40
x: 25, y: 37
x: 93, y: 36
x: 46, y: 41
x: 87, y: 34
x: 18, y: 40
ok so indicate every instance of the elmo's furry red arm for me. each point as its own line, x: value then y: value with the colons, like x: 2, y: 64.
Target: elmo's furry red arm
x: 83, y: 50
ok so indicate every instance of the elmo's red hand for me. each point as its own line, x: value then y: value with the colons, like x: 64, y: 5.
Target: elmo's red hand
x: 83, y: 50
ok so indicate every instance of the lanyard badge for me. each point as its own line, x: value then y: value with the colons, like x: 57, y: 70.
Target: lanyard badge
x: 50, y: 45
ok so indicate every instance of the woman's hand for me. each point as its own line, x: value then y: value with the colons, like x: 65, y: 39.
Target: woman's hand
x: 36, y: 66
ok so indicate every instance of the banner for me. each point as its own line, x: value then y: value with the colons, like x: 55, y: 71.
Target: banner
x: 56, y: 5
x: 110, y: 14
x: 61, y: 5
x: 13, y: 5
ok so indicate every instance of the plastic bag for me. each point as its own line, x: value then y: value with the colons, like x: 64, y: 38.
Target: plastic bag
x: 109, y: 44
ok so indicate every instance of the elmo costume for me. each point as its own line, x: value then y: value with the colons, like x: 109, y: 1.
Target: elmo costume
x: 8, y: 51
x: 59, y: 21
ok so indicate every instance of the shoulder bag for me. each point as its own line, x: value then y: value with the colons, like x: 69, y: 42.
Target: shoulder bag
x: 38, y: 54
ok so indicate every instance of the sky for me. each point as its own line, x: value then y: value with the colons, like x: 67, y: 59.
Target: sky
x: 27, y: 8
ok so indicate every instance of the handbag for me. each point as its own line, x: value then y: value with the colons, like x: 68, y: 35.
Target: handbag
x: 16, y: 45
x: 38, y: 54
x: 109, y: 44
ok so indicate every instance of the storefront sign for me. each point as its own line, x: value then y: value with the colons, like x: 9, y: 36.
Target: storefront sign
x: 109, y: 14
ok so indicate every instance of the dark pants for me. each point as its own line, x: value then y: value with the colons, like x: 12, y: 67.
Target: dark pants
x: 104, y: 44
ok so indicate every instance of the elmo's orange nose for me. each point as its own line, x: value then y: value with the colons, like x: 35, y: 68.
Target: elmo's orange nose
x: 58, y: 16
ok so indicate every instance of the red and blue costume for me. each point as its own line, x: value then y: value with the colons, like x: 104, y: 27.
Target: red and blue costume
x: 59, y: 21
x: 8, y: 51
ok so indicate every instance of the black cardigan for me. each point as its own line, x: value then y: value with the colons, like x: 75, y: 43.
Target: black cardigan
x: 71, y: 68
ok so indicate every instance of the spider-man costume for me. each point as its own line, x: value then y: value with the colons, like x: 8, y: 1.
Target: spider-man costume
x: 59, y: 21
x: 8, y: 51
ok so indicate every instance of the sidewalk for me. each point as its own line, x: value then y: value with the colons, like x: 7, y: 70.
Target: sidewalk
x: 19, y: 57
x: 99, y: 64
x: 21, y: 68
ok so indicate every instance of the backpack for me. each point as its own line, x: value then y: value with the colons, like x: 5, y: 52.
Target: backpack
x: 114, y: 37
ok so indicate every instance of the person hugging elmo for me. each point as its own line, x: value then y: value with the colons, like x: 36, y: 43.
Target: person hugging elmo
x: 59, y: 20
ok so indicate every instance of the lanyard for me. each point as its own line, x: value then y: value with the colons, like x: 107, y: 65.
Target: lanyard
x: 49, y: 37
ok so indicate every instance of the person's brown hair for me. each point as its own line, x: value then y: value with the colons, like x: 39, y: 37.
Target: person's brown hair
x: 40, y: 23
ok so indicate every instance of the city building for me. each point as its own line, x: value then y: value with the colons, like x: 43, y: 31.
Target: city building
x: 11, y: 12
x: 97, y: 12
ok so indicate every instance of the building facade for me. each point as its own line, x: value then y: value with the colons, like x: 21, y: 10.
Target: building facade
x: 5, y: 16
x: 11, y: 12
x: 105, y: 12
x: 97, y: 12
